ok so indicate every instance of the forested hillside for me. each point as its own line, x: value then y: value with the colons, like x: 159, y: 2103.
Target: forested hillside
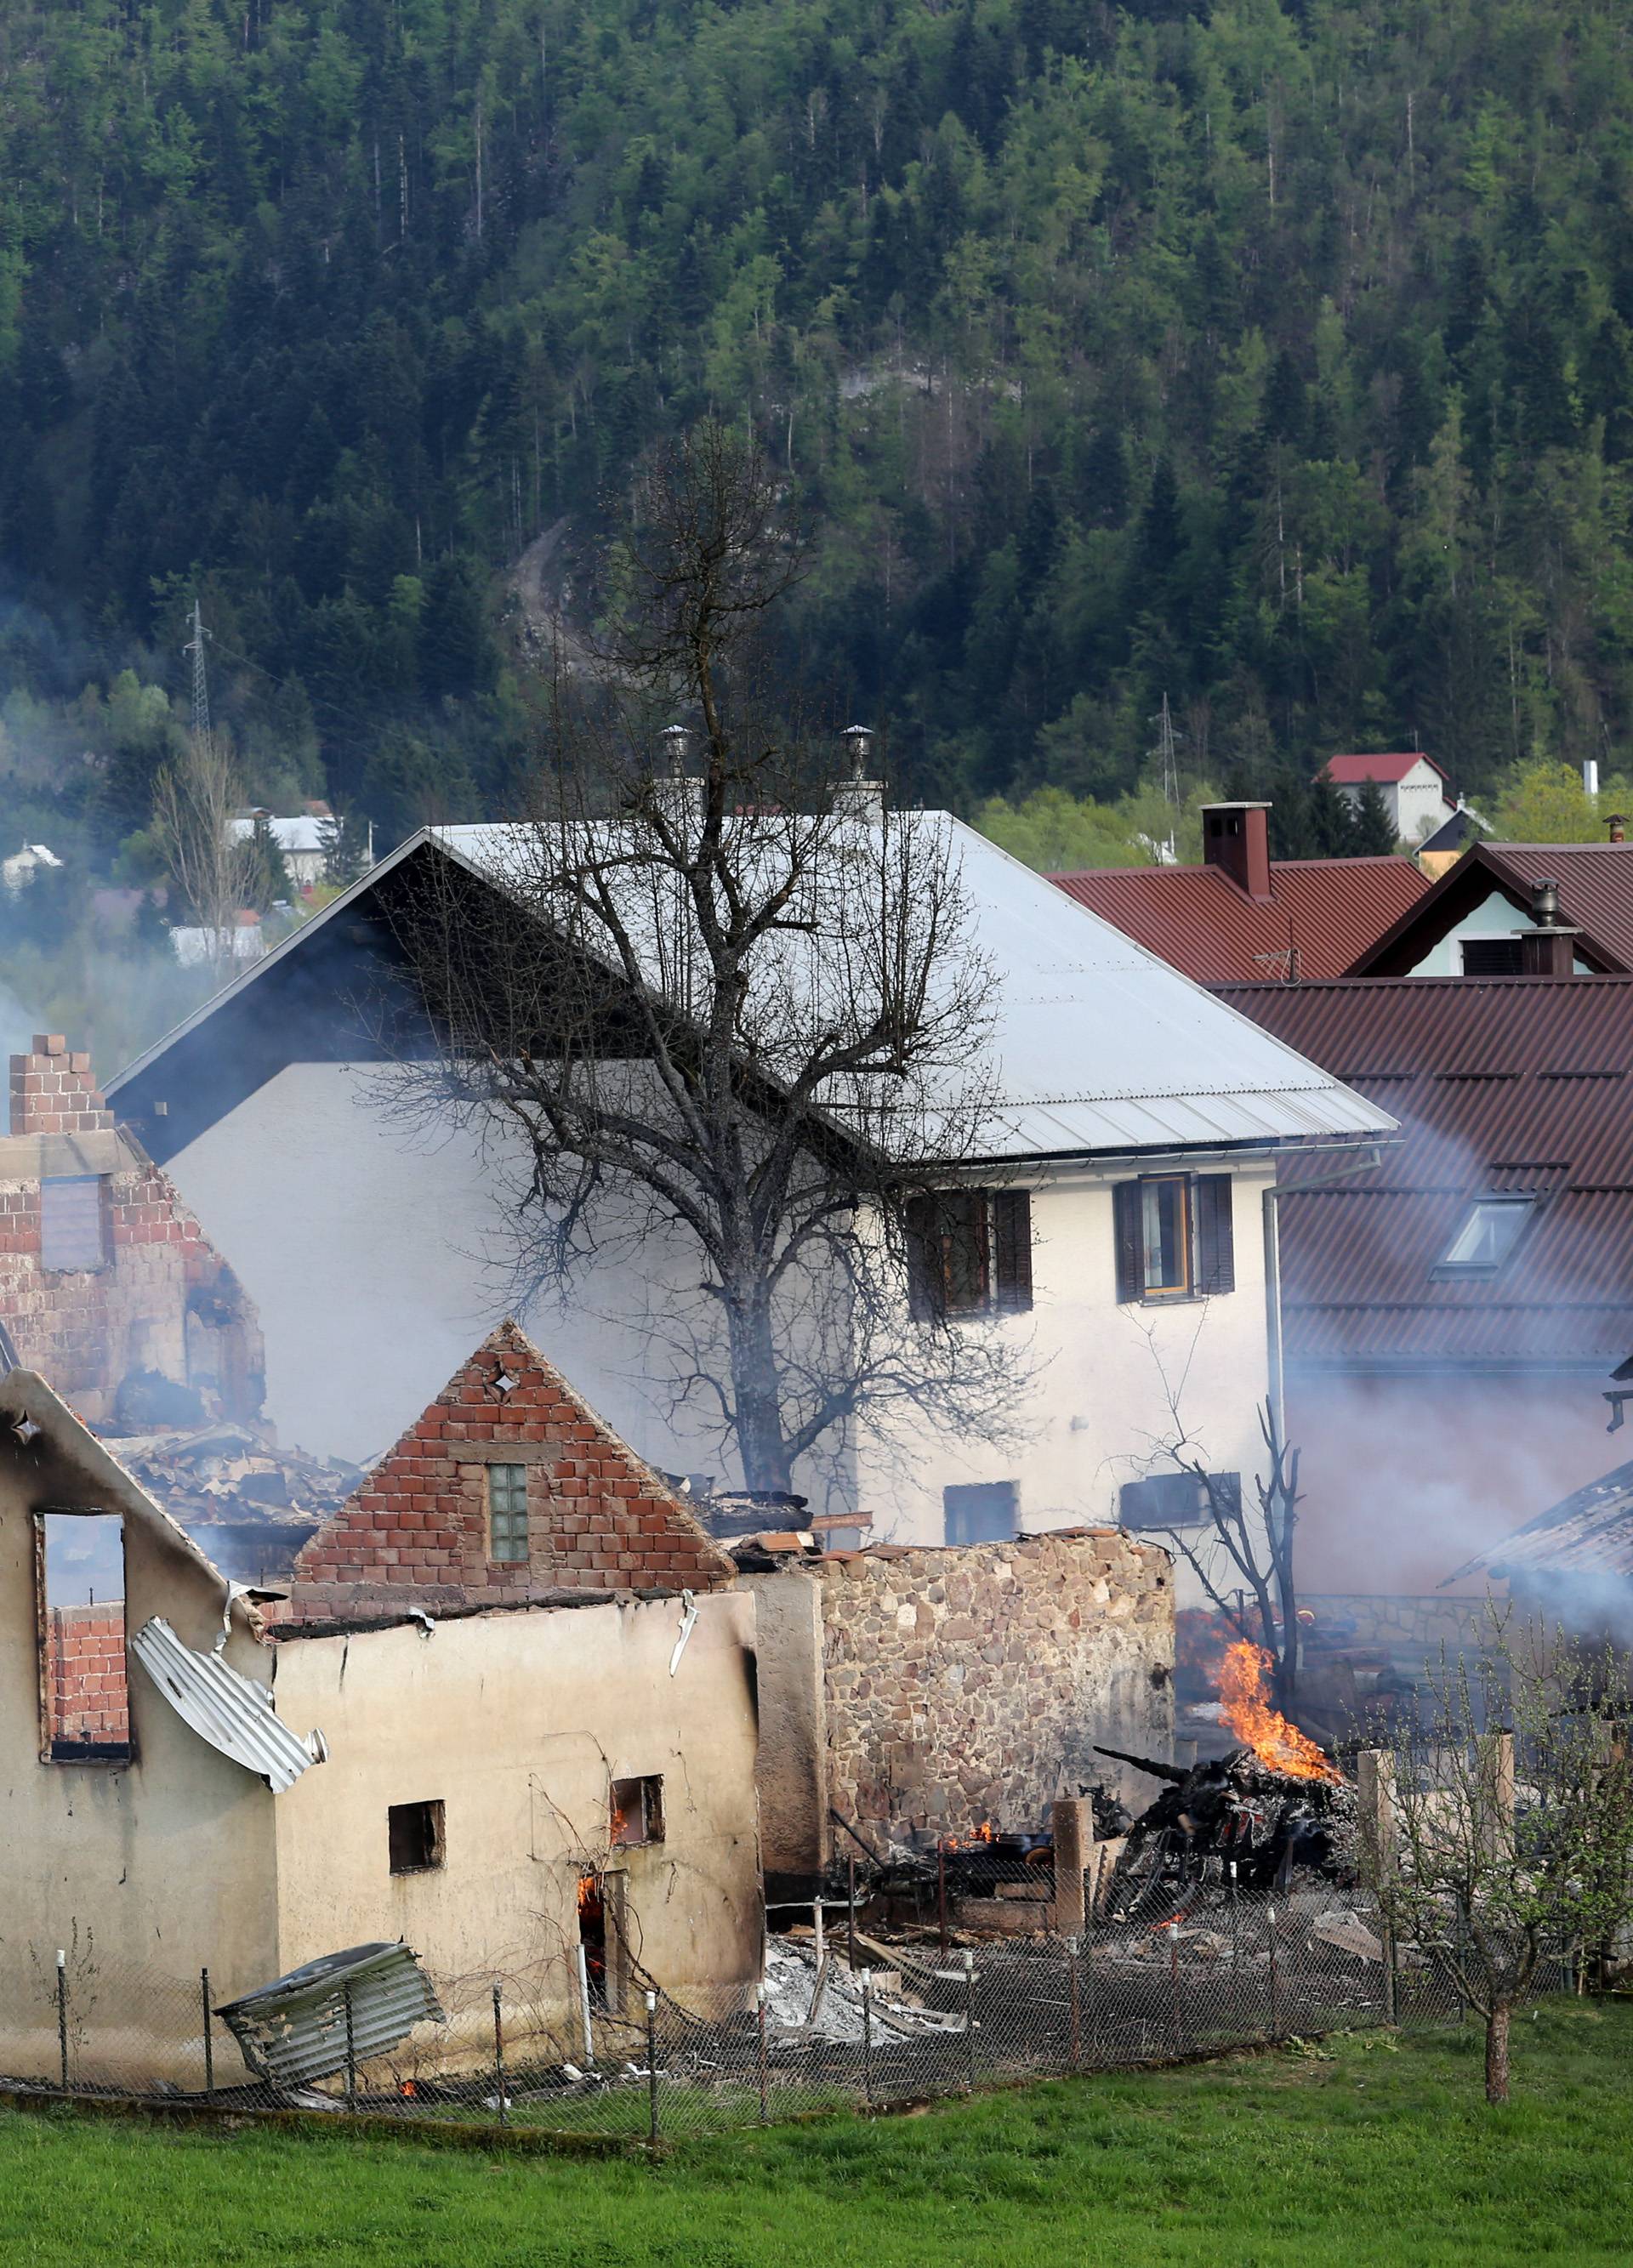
x: 1274, y: 357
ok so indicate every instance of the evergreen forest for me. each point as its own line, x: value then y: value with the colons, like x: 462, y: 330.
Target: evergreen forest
x: 1270, y: 357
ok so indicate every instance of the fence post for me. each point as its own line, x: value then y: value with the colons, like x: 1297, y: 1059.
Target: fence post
x: 351, y: 2054
x: 941, y: 1891
x: 866, y: 2001
x: 1275, y: 2021
x: 850, y: 1912
x: 1072, y: 1824
x: 1173, y: 1970
x: 760, y: 2015
x: 210, y: 2046
x: 1392, y: 1975
x: 652, y: 2068
x: 969, y: 2019
x: 1236, y: 1955
x: 62, y: 2012
x: 1075, y: 2061
x: 498, y: 2053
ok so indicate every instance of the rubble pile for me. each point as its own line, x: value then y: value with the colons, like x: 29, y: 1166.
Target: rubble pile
x: 822, y: 1998
x: 1238, y: 1810
x: 247, y: 1503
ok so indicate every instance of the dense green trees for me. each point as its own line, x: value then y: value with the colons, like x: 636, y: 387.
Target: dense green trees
x: 1276, y: 355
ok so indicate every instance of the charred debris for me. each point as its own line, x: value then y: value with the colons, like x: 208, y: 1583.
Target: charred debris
x: 246, y: 1502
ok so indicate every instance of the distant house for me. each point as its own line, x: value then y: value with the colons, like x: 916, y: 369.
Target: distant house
x: 1448, y: 1314
x: 21, y: 867
x: 1241, y: 916
x: 244, y: 942
x: 1469, y: 923
x: 302, y: 841
x: 1417, y: 793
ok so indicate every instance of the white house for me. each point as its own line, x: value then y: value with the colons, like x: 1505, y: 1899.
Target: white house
x: 301, y: 841
x: 1113, y: 1208
x: 1417, y: 792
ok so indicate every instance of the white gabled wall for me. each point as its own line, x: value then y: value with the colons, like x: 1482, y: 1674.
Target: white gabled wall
x: 1495, y: 916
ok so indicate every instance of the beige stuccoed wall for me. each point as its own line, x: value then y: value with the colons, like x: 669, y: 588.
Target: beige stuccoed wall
x: 145, y: 1872
x: 517, y: 1722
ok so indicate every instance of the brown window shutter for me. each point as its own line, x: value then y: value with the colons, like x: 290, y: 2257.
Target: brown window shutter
x: 924, y: 1300
x: 1012, y: 1239
x: 1130, y: 1251
x: 1215, y: 1245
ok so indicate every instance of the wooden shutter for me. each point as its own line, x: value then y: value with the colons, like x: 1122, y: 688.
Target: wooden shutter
x: 1130, y: 1248
x: 924, y: 1300
x: 1215, y: 1246
x: 1012, y: 1253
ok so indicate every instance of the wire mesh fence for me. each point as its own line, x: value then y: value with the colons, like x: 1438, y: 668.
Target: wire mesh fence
x: 839, y: 2018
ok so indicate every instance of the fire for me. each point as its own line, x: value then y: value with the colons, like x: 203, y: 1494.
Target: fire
x: 1245, y: 1708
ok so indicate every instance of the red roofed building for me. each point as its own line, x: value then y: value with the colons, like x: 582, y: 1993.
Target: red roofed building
x: 507, y: 1489
x: 1469, y: 923
x: 1417, y: 792
x: 1242, y: 917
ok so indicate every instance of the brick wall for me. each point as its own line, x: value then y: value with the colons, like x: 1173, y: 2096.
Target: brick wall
x: 85, y: 1675
x: 416, y: 1532
x: 55, y: 1091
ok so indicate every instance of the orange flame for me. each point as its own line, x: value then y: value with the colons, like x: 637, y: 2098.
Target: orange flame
x: 1245, y: 1708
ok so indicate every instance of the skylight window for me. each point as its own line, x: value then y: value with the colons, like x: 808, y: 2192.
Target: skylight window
x: 1487, y: 1234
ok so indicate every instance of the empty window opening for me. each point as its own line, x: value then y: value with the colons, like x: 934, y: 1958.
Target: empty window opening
x: 636, y: 1811
x: 1179, y: 1499
x: 507, y: 1514
x: 85, y: 1697
x: 980, y: 1512
x: 414, y: 1834
x: 593, y: 1935
x: 1486, y: 1235
x: 72, y: 1223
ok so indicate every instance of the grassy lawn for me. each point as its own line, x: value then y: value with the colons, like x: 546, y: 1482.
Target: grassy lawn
x: 1361, y: 2153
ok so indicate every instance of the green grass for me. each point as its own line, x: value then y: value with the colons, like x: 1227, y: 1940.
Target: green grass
x: 1360, y: 2152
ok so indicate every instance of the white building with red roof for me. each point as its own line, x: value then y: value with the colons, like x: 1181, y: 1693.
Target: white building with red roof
x: 1417, y: 792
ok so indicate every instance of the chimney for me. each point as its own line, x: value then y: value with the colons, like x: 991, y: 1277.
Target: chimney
x: 1618, y: 827
x: 55, y: 1092
x: 674, y: 789
x: 1547, y: 948
x: 1236, y: 838
x: 859, y: 796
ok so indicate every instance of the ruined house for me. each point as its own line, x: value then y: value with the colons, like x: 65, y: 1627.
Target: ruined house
x: 183, y: 1793
x: 919, y: 1692
x: 107, y: 1284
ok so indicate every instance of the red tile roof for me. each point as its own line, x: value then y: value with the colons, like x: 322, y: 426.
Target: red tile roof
x: 1321, y: 913
x: 1595, y: 895
x: 1503, y: 1086
x: 1354, y: 771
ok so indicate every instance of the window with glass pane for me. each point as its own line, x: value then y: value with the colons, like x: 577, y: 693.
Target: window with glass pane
x: 1487, y: 1234
x: 507, y: 1512
x: 1164, y: 1234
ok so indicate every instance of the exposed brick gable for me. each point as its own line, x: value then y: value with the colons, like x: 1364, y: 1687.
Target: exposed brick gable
x: 418, y: 1534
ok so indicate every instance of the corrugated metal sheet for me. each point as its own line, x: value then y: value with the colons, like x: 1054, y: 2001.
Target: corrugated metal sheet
x: 1590, y: 1533
x: 1322, y: 915
x: 293, y: 2031
x: 232, y: 1712
x: 1502, y: 1087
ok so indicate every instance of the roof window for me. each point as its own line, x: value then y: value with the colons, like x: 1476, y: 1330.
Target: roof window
x: 1487, y: 1234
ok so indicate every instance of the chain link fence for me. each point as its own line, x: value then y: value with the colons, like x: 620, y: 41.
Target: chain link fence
x: 843, y: 2017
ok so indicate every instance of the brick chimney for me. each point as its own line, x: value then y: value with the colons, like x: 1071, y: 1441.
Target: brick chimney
x: 55, y: 1092
x: 1236, y: 838
x: 1549, y: 947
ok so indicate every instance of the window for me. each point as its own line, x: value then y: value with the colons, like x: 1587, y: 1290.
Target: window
x: 1177, y: 1499
x: 414, y: 1836
x: 636, y: 1811
x: 981, y: 1511
x: 1491, y: 956
x: 1486, y: 1235
x: 507, y: 1514
x: 86, y: 1698
x: 71, y: 1222
x: 969, y: 1253
x: 1174, y: 1237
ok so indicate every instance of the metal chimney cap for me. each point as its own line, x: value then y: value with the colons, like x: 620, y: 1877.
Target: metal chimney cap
x: 676, y: 741
x: 1545, y: 902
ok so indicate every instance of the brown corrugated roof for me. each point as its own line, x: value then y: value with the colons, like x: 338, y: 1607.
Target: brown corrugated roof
x: 1322, y: 913
x: 1354, y: 771
x: 1595, y: 895
x: 1504, y: 1088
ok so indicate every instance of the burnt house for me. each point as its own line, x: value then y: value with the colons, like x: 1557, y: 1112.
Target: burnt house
x: 1572, y: 1566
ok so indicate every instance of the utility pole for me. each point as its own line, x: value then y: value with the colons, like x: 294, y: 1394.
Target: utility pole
x: 1171, y: 780
x: 201, y: 678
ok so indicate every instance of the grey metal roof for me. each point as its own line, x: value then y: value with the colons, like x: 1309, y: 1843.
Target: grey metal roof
x: 1096, y: 1047
x: 1587, y: 1533
x: 294, y: 2031
x: 230, y: 1711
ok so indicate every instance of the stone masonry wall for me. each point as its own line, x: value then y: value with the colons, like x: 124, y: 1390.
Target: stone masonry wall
x: 417, y: 1532
x: 969, y: 1685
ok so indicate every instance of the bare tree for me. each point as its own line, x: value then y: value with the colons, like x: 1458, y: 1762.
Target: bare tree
x: 1497, y: 1821
x: 195, y: 801
x: 722, y: 994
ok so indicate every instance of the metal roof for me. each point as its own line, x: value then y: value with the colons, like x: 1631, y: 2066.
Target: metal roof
x: 1097, y: 1046
x: 1521, y: 1086
x: 294, y: 2031
x: 230, y: 1711
x: 1354, y: 771
x: 1320, y: 916
x: 1587, y: 1533
x: 1595, y: 895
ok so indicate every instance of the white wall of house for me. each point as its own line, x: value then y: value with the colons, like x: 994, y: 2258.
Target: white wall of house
x: 1496, y: 915
x: 1417, y: 803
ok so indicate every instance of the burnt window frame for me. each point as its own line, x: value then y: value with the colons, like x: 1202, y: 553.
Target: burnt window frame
x: 509, y: 1466
x: 50, y: 1267
x: 1209, y: 1227
x: 110, y: 1755
x: 428, y: 1814
x: 998, y: 1223
x: 1164, y: 1489
x: 630, y: 1795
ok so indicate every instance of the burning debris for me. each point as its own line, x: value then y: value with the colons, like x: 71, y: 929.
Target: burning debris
x: 247, y: 1503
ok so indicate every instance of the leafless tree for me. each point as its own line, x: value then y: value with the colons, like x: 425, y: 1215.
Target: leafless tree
x: 722, y: 993
x: 1497, y: 1823
x: 196, y: 797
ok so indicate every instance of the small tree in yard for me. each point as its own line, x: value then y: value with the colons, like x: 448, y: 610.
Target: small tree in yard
x: 724, y: 999
x: 210, y: 867
x: 1503, y: 1827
